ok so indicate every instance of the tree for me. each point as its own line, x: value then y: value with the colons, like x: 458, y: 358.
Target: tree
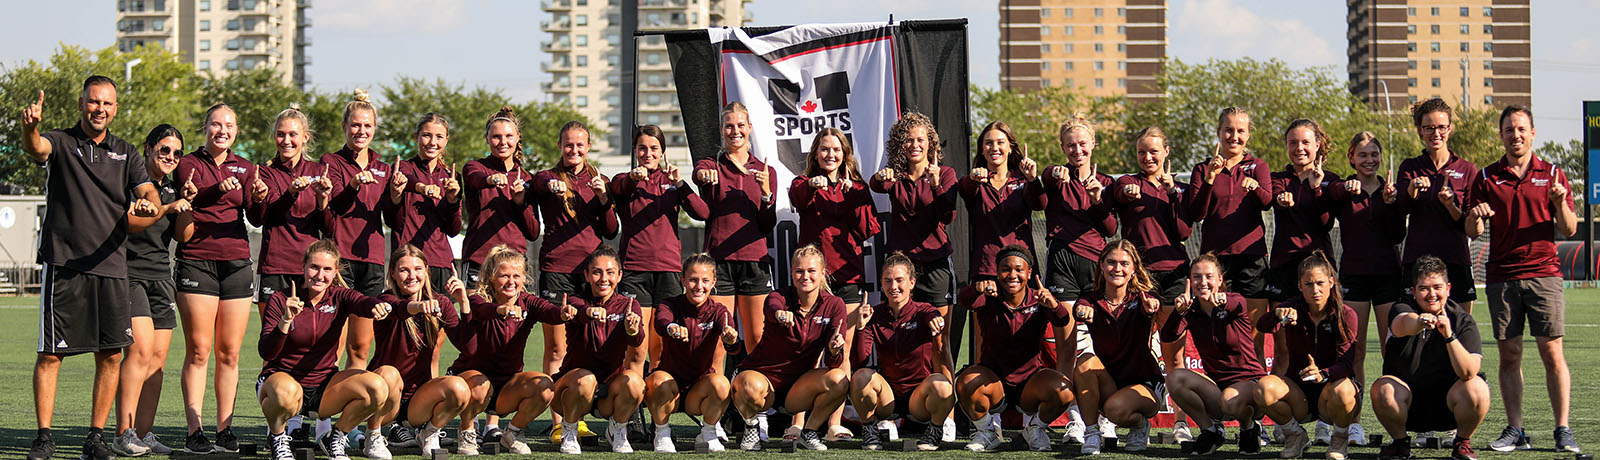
x: 407, y: 100
x: 1036, y: 118
x: 256, y: 96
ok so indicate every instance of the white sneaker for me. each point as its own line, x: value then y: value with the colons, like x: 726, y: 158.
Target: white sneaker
x: 1037, y: 437
x: 1358, y: 435
x: 1323, y: 434
x: 1139, y: 437
x: 1422, y: 438
x: 281, y: 445
x: 428, y: 438
x: 949, y: 430
x: 985, y: 438
x: 467, y: 442
x: 891, y: 428
x: 515, y: 441
x: 569, y: 439
x: 761, y: 426
x: 376, y: 446
x: 1091, y: 444
x: 1074, y: 433
x: 1294, y: 441
x: 127, y: 445
x: 617, y: 435
x: 664, y: 440
x: 1107, y: 429
x: 154, y: 443
x: 1180, y: 432
x: 708, y: 434
x: 722, y: 434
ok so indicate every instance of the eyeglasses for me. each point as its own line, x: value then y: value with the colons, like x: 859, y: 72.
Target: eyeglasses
x: 1435, y: 128
x: 166, y: 151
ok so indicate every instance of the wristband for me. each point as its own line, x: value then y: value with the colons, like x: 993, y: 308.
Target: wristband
x: 1449, y: 339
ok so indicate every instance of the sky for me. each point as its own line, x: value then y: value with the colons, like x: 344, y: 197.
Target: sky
x: 495, y: 43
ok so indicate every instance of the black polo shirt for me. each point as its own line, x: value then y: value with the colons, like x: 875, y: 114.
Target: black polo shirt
x: 86, y: 202
x: 1422, y: 359
x: 149, y: 251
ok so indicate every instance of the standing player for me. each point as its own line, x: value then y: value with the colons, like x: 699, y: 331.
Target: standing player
x: 363, y: 186
x: 1000, y: 208
x: 298, y: 192
x: 904, y: 369
x: 1524, y: 200
x: 836, y: 214
x: 688, y: 356
x: 1436, y: 183
x: 1230, y: 191
x: 1300, y: 216
x: 495, y: 184
x: 428, y: 212
x: 738, y: 188
x: 922, y: 199
x: 649, y: 198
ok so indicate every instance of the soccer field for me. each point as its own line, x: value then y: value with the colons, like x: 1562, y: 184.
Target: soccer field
x: 19, y: 315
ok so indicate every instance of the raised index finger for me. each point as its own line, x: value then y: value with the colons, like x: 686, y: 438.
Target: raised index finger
x: 41, y: 98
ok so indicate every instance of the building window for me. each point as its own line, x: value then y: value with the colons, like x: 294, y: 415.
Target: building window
x: 1099, y: 12
x: 1411, y: 11
x: 1434, y: 65
x: 249, y: 44
x: 1070, y: 48
x: 614, y: 100
x: 1069, y: 30
x: 1099, y: 83
x: 583, y: 81
x: 1488, y: 82
x: 232, y: 64
x: 205, y: 5
x: 205, y: 25
x: 233, y: 45
x: 1044, y: 12
x: 1044, y: 30
x: 1411, y: 29
x: 1488, y: 47
x: 613, y: 40
x: 1434, y: 46
x: 1122, y: 30
x: 1433, y: 11
x: 611, y: 60
x: 1067, y: 11
x: 1466, y: 46
x: 1044, y: 65
x: 1099, y: 30
x: 233, y: 24
x: 205, y: 45
x: 653, y: 99
x: 1488, y: 65
x: 1122, y: 65
x: 1411, y: 82
x: 1122, y: 12
x: 1069, y: 65
x: 203, y: 64
x: 652, y: 58
x: 1046, y: 82
x: 1099, y: 65
x: 583, y: 101
x: 1488, y: 11
x: 1435, y: 82
x: 1069, y: 83
x: 1466, y: 11
x: 582, y: 40
x: 1099, y: 47
x: 1411, y: 46
x: 1466, y: 29
x: 1488, y: 29
x: 1122, y: 47
x: 1434, y: 29
x: 1122, y: 83
x: 583, y: 60
x: 1411, y: 65
x: 582, y: 20
x: 1044, y: 48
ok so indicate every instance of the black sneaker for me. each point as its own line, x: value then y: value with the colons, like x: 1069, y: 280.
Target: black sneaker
x: 1565, y: 441
x: 301, y: 434
x: 333, y: 444
x: 1209, y: 441
x: 871, y: 438
x: 932, y: 433
x: 490, y: 435
x: 750, y: 441
x: 43, y: 448
x: 198, y: 444
x: 400, y: 435
x: 226, y: 441
x: 812, y: 439
x: 1250, y: 439
x: 1399, y: 449
x: 95, y: 448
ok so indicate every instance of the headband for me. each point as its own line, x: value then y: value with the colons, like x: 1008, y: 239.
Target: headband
x: 1013, y: 252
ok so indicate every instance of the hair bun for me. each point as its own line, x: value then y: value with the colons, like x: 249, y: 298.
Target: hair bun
x: 360, y: 95
x: 295, y: 106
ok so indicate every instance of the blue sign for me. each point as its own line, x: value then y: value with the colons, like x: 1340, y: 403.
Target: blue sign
x: 1591, y: 143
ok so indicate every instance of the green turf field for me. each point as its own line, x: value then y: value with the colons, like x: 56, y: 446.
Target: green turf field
x: 17, y: 423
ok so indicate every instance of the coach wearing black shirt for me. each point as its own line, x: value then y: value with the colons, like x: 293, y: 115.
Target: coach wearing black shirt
x: 97, y: 190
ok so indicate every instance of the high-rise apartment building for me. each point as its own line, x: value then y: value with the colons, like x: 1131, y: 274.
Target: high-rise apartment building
x: 1469, y: 52
x: 585, y: 61
x: 1101, y: 47
x: 222, y: 35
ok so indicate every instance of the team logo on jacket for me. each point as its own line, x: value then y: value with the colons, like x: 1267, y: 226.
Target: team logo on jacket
x: 1249, y: 167
x: 1030, y: 310
x: 706, y: 326
x: 614, y: 317
x: 238, y: 169
x: 1455, y: 174
x: 795, y: 119
x: 1541, y: 182
x: 1222, y: 314
x: 327, y: 308
x: 909, y: 326
x: 117, y: 156
x: 821, y: 320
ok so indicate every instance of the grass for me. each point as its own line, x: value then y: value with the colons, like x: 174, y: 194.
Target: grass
x: 19, y: 314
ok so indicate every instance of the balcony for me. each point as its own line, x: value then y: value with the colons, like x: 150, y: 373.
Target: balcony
x: 302, y: 40
x: 556, y: 46
x: 555, y: 66
x: 557, y: 26
x: 662, y: 4
x: 556, y: 5
x: 302, y: 59
x: 557, y: 87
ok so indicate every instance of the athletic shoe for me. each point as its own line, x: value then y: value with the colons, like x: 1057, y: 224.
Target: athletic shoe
x: 95, y: 448
x: 1422, y: 438
x: 1294, y: 441
x: 722, y: 434
x: 1091, y: 444
x: 1108, y: 430
x: 1139, y: 437
x: 198, y: 444
x: 1463, y: 450
x: 1399, y: 449
x: 708, y: 434
x: 1074, y: 433
x: 1511, y: 438
x: 226, y: 441
x: 1037, y: 436
x: 931, y: 435
x: 664, y: 443
x: 128, y: 445
x: 1447, y: 438
x: 891, y: 432
x: 1357, y: 435
x: 428, y: 438
x: 1180, y: 432
x: 839, y: 433
x: 333, y: 445
x: 493, y: 434
x: 948, y: 430
x: 555, y: 433
x: 751, y: 440
x: 811, y: 439
x: 1565, y: 441
x: 515, y: 441
x: 617, y: 435
x: 1250, y: 438
x: 376, y: 446
x: 1323, y: 434
x: 282, y: 446
x: 1209, y: 441
x: 43, y: 447
x: 400, y: 435
x: 986, y: 436
x: 569, y: 439
x: 467, y: 442
x: 1339, y: 445
x: 154, y: 443
x: 872, y: 438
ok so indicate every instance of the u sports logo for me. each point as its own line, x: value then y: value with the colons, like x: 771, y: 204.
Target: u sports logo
x: 795, y: 120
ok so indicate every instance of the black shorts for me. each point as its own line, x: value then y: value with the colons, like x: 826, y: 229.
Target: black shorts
x: 935, y: 284
x: 439, y: 278
x: 81, y: 312
x: 1246, y: 274
x: 552, y: 284
x: 272, y: 284
x: 223, y: 279
x: 850, y: 293
x: 650, y: 288
x: 470, y: 269
x: 310, y: 398
x: 1376, y: 289
x: 1067, y: 274
x: 1430, y: 407
x: 155, y: 299
x: 1462, y: 289
x: 1171, y: 284
x: 366, y: 278
x: 1313, y: 394
x: 1285, y: 279
x: 736, y: 277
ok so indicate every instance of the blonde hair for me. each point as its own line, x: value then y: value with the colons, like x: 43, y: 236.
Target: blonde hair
x: 491, y: 268
x: 422, y: 329
x: 851, y: 170
x: 507, y: 115
x: 569, y: 198
x: 293, y: 112
x: 730, y: 109
x: 359, y: 100
x: 811, y: 250
x: 1078, y: 121
x: 327, y: 246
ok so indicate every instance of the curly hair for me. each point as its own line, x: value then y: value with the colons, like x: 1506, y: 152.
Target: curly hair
x: 901, y: 132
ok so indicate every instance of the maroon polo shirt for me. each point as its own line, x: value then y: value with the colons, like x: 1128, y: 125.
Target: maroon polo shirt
x: 919, y: 213
x: 786, y: 352
x: 355, y: 216
x: 1012, y: 337
x: 1523, y: 228
x: 1432, y: 230
x: 899, y: 345
x: 570, y: 235
x: 838, y: 220
x: 1072, y: 219
x: 997, y: 218
x: 493, y: 344
x: 309, y: 352
x: 1222, y: 338
x: 687, y: 361
x: 649, y: 214
x: 601, y: 345
x: 395, y: 347
x: 1301, y: 229
x: 1121, y: 337
x: 219, y: 217
x: 290, y: 221
x: 1319, y: 341
x: 1157, y: 223
x: 1369, y: 231
x: 1230, y: 217
x: 740, y: 218
x: 426, y: 223
x: 493, y: 216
